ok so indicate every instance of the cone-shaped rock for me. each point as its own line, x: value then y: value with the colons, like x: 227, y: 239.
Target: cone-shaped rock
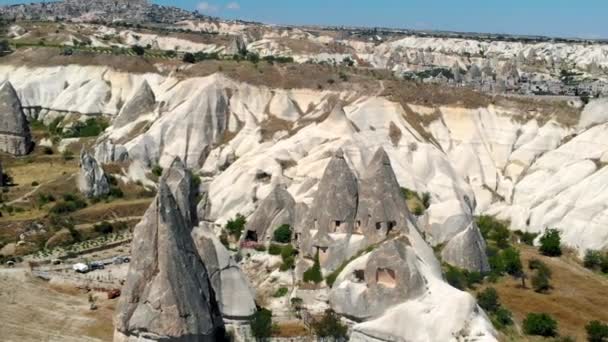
x: 180, y: 182
x: 467, y: 250
x: 15, y: 136
x: 232, y: 290
x: 142, y: 102
x: 167, y: 295
x: 382, y: 208
x: 335, y: 204
x: 276, y: 209
x: 92, y: 180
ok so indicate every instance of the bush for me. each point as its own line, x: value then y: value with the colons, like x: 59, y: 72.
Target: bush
x: 274, y: 249
x: 550, y: 243
x: 260, y: 248
x: 288, y: 256
x: 90, y: 128
x: 70, y: 204
x: 494, y: 230
x: 138, y: 50
x: 597, y: 331
x: 189, y: 58
x: 330, y: 326
x: 282, y: 234
x: 527, y: 238
x: 540, y: 324
x: 456, y: 278
x: 512, y: 262
x: 488, y: 300
x: 236, y: 226
x: 261, y: 323
x: 593, y: 259
x: 313, y: 274
x: 47, y: 150
x: 540, y: 282
x: 502, y: 317
x: 282, y: 291
x: 157, y: 170
x: 104, y: 228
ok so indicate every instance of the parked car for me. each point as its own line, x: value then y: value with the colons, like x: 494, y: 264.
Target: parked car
x: 119, y: 260
x: 96, y: 265
x: 80, y: 268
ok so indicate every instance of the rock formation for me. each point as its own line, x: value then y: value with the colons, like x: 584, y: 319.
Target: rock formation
x: 232, y: 289
x: 378, y: 280
x: 141, y: 102
x: 467, y: 250
x: 109, y: 152
x: 382, y: 207
x: 276, y: 209
x: 337, y: 187
x: 92, y: 180
x: 168, y: 295
x: 15, y: 137
x: 180, y: 182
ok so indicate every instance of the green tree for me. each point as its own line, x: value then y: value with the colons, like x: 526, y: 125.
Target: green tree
x: 236, y: 226
x: 597, y: 331
x: 330, y: 326
x: 488, y: 300
x: 282, y: 234
x: 550, y: 243
x: 313, y: 274
x: 512, y: 261
x: 189, y: 58
x: 593, y: 259
x: 540, y: 324
x: 138, y: 50
x: 261, y: 323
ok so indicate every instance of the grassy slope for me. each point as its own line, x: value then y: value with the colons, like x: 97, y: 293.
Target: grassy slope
x: 578, y: 296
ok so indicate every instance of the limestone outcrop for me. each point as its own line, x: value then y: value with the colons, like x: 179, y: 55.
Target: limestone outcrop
x: 15, y: 136
x: 168, y: 295
x: 276, y: 209
x: 232, y: 289
x: 467, y: 250
x: 92, y: 180
x: 141, y: 102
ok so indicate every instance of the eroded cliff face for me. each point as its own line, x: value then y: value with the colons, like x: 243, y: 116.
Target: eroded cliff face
x: 247, y: 140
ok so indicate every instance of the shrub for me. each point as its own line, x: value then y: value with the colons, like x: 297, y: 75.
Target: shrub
x: 540, y: 282
x: 494, y: 230
x: 282, y: 291
x: 138, y: 50
x: 47, y: 150
x: 597, y: 331
x: 261, y: 323
x: 189, y: 58
x: 550, y: 243
x: 288, y: 256
x: 104, y: 228
x: 90, y: 128
x: 282, y: 234
x: 456, y: 278
x: 540, y: 324
x: 528, y: 238
x: 426, y: 199
x: 157, y: 170
x: 488, y: 300
x: 593, y: 259
x: 274, y: 249
x: 511, y: 261
x: 260, y: 248
x: 313, y: 274
x: 34, y: 183
x: 330, y: 326
x: 502, y: 317
x: 70, y: 204
x: 236, y: 226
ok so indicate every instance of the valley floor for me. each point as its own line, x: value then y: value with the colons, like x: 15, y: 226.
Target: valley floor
x: 35, y: 310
